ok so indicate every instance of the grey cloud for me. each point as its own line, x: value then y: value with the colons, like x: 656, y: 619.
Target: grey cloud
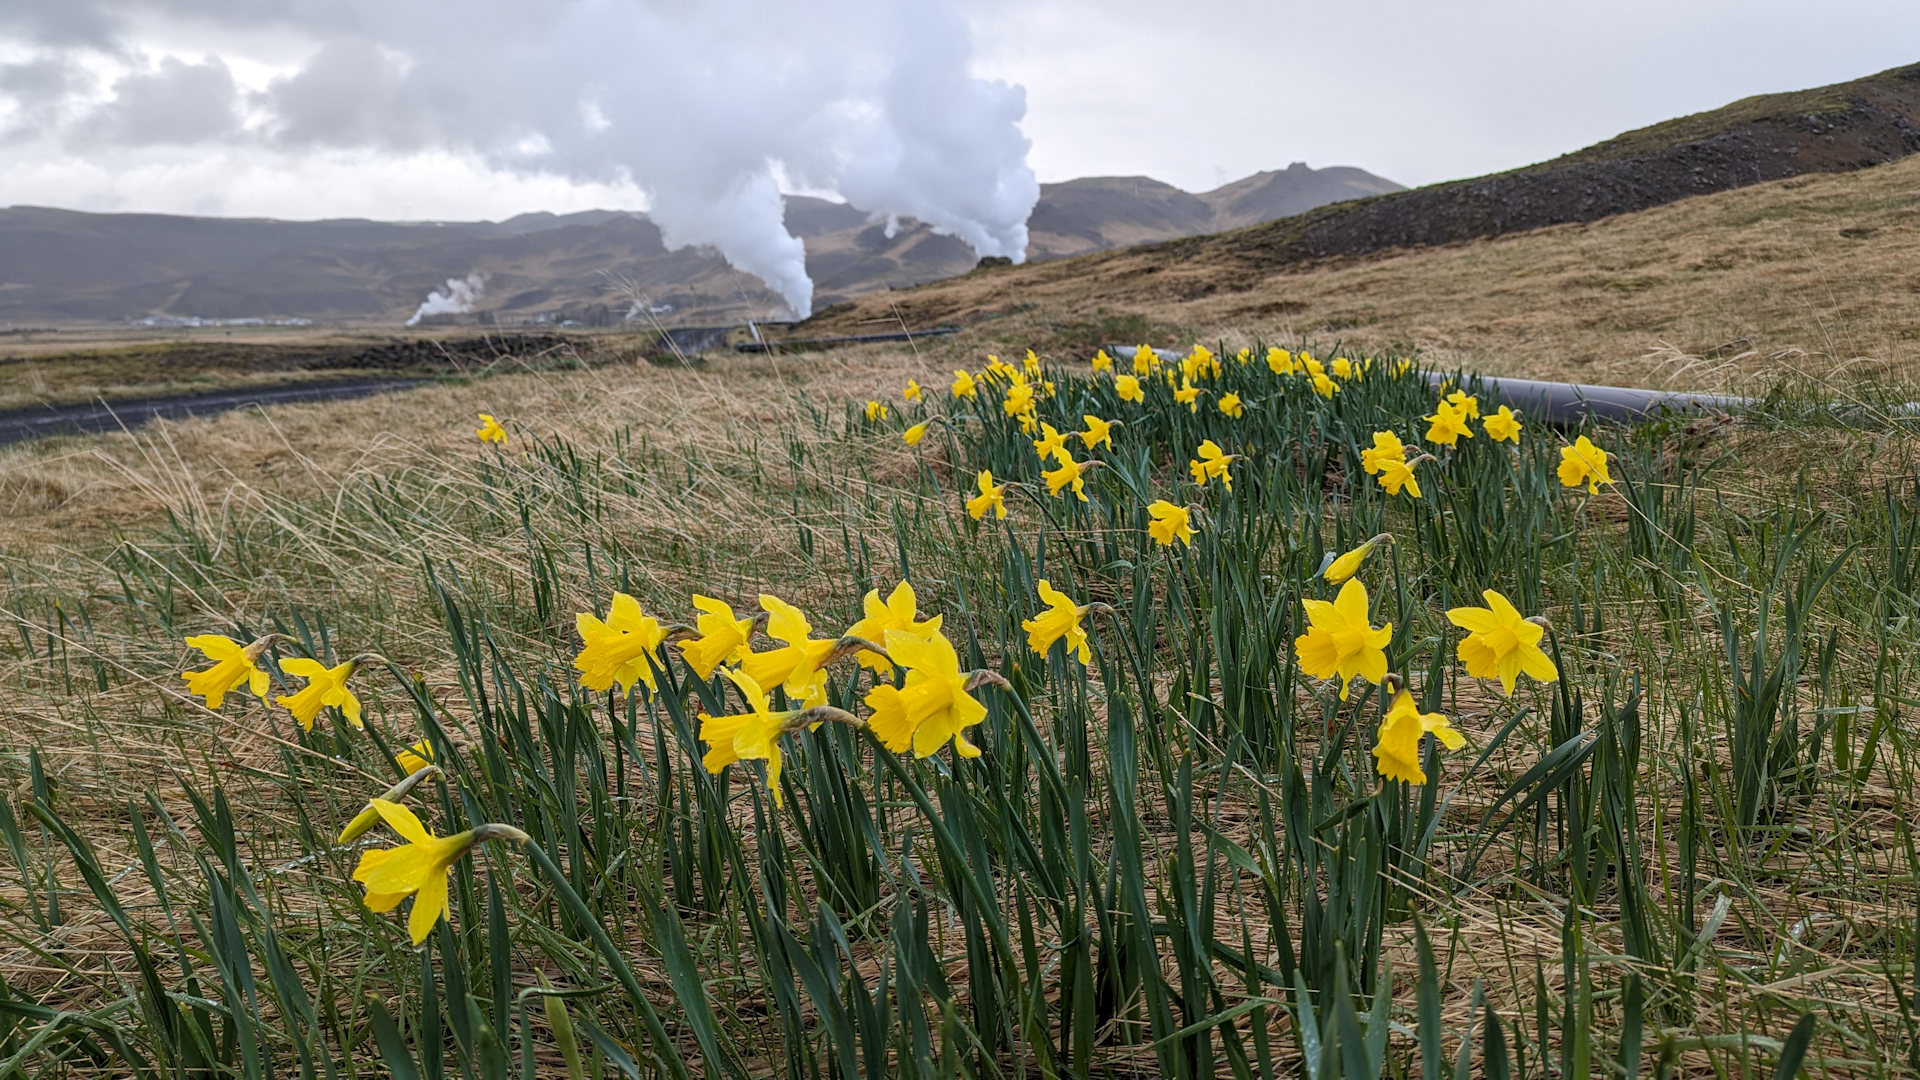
x: 177, y: 103
x: 352, y: 93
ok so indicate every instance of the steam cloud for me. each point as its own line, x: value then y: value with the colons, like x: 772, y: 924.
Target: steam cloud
x: 709, y: 107
x: 461, y: 295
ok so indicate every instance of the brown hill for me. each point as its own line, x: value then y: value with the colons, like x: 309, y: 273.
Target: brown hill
x: 59, y: 265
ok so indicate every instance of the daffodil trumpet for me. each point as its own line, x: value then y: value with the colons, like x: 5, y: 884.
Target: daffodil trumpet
x: 369, y: 817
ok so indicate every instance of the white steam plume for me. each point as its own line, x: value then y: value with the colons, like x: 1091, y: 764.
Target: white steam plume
x: 705, y: 106
x: 461, y: 295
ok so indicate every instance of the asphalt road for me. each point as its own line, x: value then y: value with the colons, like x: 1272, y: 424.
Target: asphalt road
x: 39, y: 421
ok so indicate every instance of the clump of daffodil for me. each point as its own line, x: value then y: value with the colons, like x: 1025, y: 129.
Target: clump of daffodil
x: 1101, y: 361
x: 1348, y: 564
x: 1170, y: 523
x: 1448, y: 425
x: 234, y: 664
x: 1098, y: 431
x: 490, y: 430
x: 1212, y: 463
x: 992, y: 497
x: 1386, y: 447
x: 754, y: 735
x: 1340, y: 642
x: 1069, y: 473
x: 1145, y: 360
x: 1501, y: 643
x: 935, y: 704
x: 1061, y: 620
x: 1188, y: 394
x: 1128, y: 387
x: 898, y: 612
x: 326, y: 687
x: 420, y: 868
x: 621, y: 650
x: 1280, y: 361
x: 964, y: 385
x: 1502, y: 426
x: 799, y: 664
x: 1050, y: 442
x: 1396, y: 750
x: 364, y: 821
x: 721, y: 637
x: 1584, y: 463
x: 912, y: 391
x: 1231, y: 405
x: 876, y: 410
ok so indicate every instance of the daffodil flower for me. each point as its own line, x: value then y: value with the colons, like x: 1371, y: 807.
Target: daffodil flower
x: 1098, y: 431
x: 1231, y: 405
x: 722, y: 637
x: 326, y: 687
x: 1128, y: 387
x: 420, y: 868
x: 1386, y: 447
x: 1396, y: 475
x: 912, y: 391
x: 933, y: 707
x: 1102, y: 362
x: 898, y: 612
x: 1448, y: 425
x: 1396, y: 750
x: 234, y: 664
x: 1243, y: 357
x: 1032, y: 364
x: 1145, y: 360
x: 755, y: 734
x: 365, y: 820
x: 1212, y: 463
x: 992, y: 497
x: 1347, y: 565
x: 1322, y: 385
x: 1070, y: 473
x: 1584, y: 463
x: 798, y: 664
x: 876, y: 411
x: 1060, y: 620
x: 1466, y: 404
x: 490, y: 430
x: 1188, y: 394
x: 621, y: 650
x: 1501, y: 643
x: 1343, y: 368
x: 1019, y: 399
x: 415, y: 757
x: 1340, y: 642
x: 1280, y: 362
x: 963, y: 384
x: 914, y: 434
x: 1049, y: 442
x: 1170, y: 523
x: 1503, y: 426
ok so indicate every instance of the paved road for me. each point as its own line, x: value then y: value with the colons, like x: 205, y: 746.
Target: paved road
x: 39, y: 421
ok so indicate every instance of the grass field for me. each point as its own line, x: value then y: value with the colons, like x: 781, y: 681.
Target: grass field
x: 1687, y: 854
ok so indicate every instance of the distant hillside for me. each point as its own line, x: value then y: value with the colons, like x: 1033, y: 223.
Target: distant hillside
x: 66, y: 266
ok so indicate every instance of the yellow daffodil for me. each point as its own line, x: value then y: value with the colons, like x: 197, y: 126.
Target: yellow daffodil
x: 914, y: 434
x: 1128, y: 387
x: 898, y: 612
x: 1060, y: 620
x: 1396, y: 475
x: 1311, y: 366
x: 1402, y: 367
x: 722, y: 637
x: 1280, y: 361
x: 621, y: 650
x: 1243, y: 357
x: 1347, y: 565
x: 1343, y: 368
x: 999, y: 369
x: 1322, y: 385
x: 1145, y: 360
x: 1386, y: 447
x: 1169, y: 523
x: 1501, y: 643
x: 234, y: 664
x: 912, y: 392
x: 1340, y: 643
x: 326, y: 687
x: 1033, y: 364
x: 1584, y: 463
x: 490, y: 430
x: 748, y: 736
x: 414, y: 758
x: 963, y: 384
x: 796, y: 665
x: 1070, y: 473
x: 1212, y: 463
x: 1503, y: 426
x: 1102, y: 362
x: 1049, y: 443
x: 1098, y: 431
x: 420, y: 868
x: 992, y: 497
x: 1465, y: 403
x: 1396, y: 751
x: 1448, y: 425
x: 1187, y: 394
x: 1019, y: 399
x: 933, y: 707
x: 1200, y: 363
x: 1232, y: 405
x: 876, y: 411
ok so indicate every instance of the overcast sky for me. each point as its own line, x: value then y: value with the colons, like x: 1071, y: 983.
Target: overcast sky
x: 195, y: 106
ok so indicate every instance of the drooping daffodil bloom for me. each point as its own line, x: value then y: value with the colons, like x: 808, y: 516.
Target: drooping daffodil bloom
x: 1397, y: 475
x: 1098, y: 431
x: 490, y: 430
x: 964, y: 385
x: 722, y: 637
x: 1170, y: 523
x: 326, y: 687
x: 914, y: 434
x: 912, y: 391
x: 1231, y: 405
x: 1212, y: 463
x: 1386, y: 447
x: 934, y: 706
x: 233, y: 665
x: 1069, y: 474
x: 1340, y: 642
x: 1049, y: 443
x: 992, y: 497
x: 1584, y: 463
x: 1061, y: 620
x: 1102, y: 362
x: 419, y: 869
x: 798, y: 665
x: 1501, y: 643
x: 621, y: 650
x: 876, y: 411
x: 1128, y: 387
x: 898, y: 612
x: 753, y: 735
x: 1396, y: 750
